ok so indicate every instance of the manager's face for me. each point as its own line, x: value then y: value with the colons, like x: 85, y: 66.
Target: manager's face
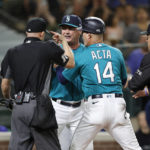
x: 71, y: 34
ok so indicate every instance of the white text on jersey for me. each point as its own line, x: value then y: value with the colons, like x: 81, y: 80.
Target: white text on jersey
x: 101, y: 54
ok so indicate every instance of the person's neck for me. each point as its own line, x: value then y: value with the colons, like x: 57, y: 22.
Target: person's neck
x: 33, y: 36
x: 95, y: 42
x: 74, y: 46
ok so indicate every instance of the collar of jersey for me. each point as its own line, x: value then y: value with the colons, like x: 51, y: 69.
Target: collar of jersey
x: 81, y: 45
x: 31, y: 39
x: 97, y: 45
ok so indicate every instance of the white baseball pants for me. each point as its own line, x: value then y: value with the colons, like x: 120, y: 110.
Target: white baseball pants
x: 109, y: 114
x: 68, y: 119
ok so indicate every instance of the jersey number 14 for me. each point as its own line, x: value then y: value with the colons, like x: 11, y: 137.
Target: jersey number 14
x: 108, y: 72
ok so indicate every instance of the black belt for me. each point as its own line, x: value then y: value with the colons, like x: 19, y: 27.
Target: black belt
x: 66, y: 103
x: 101, y: 95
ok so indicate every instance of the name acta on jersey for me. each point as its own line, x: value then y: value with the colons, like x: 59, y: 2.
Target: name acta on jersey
x: 101, y: 54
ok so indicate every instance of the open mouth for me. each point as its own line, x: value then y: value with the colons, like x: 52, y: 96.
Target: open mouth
x: 67, y: 36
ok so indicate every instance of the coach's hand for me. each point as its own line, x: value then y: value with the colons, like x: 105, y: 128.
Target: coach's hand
x: 57, y: 37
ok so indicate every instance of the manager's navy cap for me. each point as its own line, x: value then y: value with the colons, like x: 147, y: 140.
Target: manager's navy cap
x: 146, y: 32
x: 71, y: 20
x: 36, y: 25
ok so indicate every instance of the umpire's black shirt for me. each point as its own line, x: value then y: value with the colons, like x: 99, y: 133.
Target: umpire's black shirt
x: 141, y: 77
x: 29, y: 64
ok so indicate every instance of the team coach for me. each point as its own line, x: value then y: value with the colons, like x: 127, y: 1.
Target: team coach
x: 29, y: 66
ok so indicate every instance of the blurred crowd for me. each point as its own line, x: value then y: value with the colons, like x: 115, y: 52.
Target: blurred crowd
x: 124, y: 20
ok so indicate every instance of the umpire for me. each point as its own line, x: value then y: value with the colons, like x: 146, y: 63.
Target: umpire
x: 141, y: 78
x: 29, y: 66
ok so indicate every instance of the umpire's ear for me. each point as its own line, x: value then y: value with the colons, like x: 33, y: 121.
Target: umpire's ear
x: 42, y: 35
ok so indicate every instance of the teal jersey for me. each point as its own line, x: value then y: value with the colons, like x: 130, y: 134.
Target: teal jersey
x: 72, y: 91
x: 102, y: 69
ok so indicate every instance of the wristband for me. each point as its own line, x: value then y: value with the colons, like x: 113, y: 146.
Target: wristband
x: 146, y: 92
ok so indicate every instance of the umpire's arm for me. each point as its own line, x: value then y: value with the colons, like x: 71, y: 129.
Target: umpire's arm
x: 141, y: 77
x: 6, y: 87
x: 6, y: 77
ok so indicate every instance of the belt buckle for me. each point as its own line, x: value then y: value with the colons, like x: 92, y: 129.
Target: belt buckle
x: 58, y: 101
x: 109, y: 96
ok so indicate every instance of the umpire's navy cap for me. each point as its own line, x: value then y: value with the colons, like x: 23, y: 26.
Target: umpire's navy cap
x: 36, y: 25
x: 146, y: 32
x: 71, y: 20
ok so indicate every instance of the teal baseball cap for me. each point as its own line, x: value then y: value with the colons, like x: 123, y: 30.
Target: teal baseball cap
x: 71, y: 20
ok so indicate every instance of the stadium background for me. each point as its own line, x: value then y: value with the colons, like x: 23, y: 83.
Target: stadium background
x: 121, y: 18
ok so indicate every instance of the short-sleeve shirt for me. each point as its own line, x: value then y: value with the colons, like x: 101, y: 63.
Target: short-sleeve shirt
x: 29, y: 64
x: 102, y: 70
x: 72, y: 91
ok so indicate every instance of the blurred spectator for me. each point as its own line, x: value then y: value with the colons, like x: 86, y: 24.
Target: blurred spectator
x: 66, y: 6
x: 24, y: 9
x: 137, y: 3
x: 39, y: 8
x: 98, y: 8
x: 142, y: 18
x: 103, y: 13
x: 97, y: 4
x: 1, y: 3
x: 129, y: 15
x: 134, y: 59
x: 129, y: 20
x: 143, y: 134
x: 85, y: 8
x: 3, y: 128
x: 30, y: 7
x: 43, y: 11
x: 79, y: 7
x: 132, y: 32
x: 15, y: 8
x: 114, y: 32
x: 55, y: 9
x: 115, y: 3
x: 63, y: 5
x: 120, y: 13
